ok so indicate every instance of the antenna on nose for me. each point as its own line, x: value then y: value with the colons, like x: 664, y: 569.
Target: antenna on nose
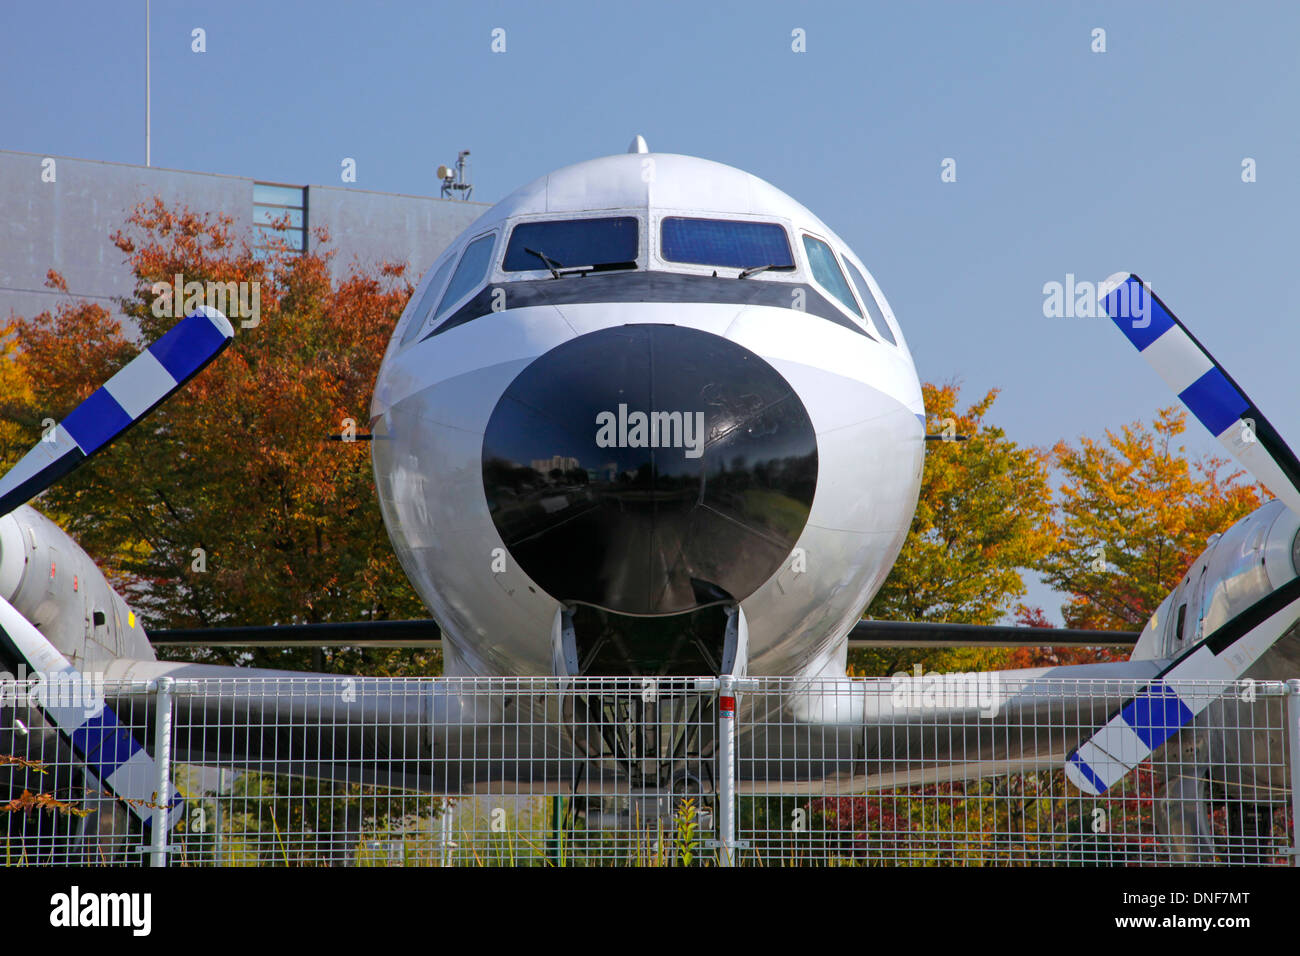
x: 638, y: 145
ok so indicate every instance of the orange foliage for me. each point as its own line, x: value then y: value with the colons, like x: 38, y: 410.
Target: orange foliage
x: 235, y: 467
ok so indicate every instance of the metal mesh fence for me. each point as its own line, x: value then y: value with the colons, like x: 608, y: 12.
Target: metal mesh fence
x: 540, y: 771
x: 965, y: 774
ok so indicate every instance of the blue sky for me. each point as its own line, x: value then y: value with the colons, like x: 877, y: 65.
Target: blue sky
x: 1067, y: 161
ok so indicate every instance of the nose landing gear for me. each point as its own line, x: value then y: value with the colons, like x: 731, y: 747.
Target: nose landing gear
x: 647, y: 744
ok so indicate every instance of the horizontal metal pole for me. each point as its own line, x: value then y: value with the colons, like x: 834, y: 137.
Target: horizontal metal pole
x: 934, y: 634
x: 426, y: 633
x: 416, y: 633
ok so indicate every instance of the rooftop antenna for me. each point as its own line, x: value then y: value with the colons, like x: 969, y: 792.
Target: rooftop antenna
x: 453, y: 180
x: 148, y: 117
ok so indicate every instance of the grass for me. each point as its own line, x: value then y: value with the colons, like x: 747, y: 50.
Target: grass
x: 1018, y: 821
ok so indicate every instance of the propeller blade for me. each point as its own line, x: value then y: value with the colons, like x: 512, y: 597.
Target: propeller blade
x: 75, y: 706
x: 1158, y: 711
x: 137, y: 389
x: 1202, y: 384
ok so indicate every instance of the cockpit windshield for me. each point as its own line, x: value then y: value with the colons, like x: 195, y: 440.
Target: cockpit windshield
x: 725, y: 242
x: 579, y: 244
x: 826, y: 270
x: 869, y: 300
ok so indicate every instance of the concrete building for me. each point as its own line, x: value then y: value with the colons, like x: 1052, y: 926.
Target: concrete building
x: 58, y: 213
x: 555, y: 463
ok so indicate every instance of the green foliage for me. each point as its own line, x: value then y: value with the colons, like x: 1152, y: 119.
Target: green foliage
x: 981, y: 520
x: 685, y: 842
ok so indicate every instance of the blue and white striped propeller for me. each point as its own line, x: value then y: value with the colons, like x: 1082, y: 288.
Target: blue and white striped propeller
x: 71, y: 703
x: 138, y: 388
x: 1158, y: 712
x: 107, y: 748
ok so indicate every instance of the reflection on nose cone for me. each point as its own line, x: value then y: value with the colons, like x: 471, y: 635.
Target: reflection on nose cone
x: 649, y: 469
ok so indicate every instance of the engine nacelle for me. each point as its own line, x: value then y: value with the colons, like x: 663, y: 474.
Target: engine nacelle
x: 53, y: 583
x: 1247, y: 562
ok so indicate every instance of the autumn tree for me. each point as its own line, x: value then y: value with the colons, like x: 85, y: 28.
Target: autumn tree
x: 1048, y: 655
x: 982, y: 519
x: 15, y: 396
x: 1133, y: 513
x: 47, y: 362
x: 228, y: 506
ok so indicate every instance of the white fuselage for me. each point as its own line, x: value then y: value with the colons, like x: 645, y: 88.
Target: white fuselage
x: 436, y: 395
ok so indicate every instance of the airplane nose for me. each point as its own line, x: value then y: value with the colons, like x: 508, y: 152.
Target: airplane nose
x: 649, y: 469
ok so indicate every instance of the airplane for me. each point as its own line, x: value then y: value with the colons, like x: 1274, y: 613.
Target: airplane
x: 650, y: 417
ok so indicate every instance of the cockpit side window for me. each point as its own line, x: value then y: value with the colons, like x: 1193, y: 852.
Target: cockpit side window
x: 421, y: 309
x: 869, y: 302
x: 599, y: 244
x: 827, y: 273
x: 470, y: 272
x: 730, y: 243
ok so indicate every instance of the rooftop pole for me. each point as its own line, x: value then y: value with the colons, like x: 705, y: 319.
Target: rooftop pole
x: 147, y: 113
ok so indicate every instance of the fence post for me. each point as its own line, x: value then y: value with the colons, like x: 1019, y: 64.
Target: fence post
x: 1293, y: 758
x: 162, y: 756
x: 726, y: 773
x: 446, y: 847
x: 557, y: 830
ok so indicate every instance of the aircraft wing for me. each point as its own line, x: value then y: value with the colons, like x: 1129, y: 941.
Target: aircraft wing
x: 914, y: 729
x: 518, y: 735
x: 419, y: 734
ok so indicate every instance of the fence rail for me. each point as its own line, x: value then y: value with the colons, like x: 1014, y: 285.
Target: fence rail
x: 933, y: 770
